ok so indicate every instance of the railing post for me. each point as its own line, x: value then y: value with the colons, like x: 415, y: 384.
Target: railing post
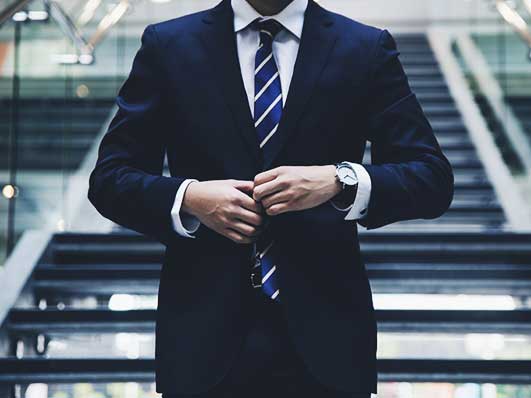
x: 13, y: 140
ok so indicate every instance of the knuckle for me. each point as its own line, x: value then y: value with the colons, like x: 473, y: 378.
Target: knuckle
x: 227, y: 212
x: 284, y: 183
x: 227, y: 223
x: 227, y: 198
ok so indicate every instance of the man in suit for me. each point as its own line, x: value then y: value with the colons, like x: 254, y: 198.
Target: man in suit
x: 263, y: 109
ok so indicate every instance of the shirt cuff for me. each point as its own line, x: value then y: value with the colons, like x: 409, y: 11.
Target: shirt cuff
x: 360, y: 206
x: 184, y: 224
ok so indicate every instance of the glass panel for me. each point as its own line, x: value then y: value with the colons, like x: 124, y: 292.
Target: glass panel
x: 65, y: 107
x: 51, y: 120
x: 507, y: 56
x: 497, y: 64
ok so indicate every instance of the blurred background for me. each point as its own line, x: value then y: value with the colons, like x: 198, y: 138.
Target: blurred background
x: 78, y: 294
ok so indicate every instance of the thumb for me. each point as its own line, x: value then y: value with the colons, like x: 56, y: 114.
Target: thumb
x: 244, y: 186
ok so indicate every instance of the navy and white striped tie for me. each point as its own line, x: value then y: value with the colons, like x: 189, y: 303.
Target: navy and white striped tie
x: 267, y: 113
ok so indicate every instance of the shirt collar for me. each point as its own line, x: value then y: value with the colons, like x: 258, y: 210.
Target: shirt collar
x: 291, y: 17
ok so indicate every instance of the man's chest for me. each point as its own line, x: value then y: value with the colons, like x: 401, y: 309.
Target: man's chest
x: 284, y: 51
x: 209, y: 101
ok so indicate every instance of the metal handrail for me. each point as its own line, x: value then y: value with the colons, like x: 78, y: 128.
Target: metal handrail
x: 84, y: 47
x: 88, y: 12
x: 87, y: 48
x: 527, y: 4
x: 108, y: 21
x: 12, y: 9
x: 513, y: 18
x: 66, y: 25
x: 69, y: 28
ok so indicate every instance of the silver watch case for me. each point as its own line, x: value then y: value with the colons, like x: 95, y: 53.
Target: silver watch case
x: 346, y: 174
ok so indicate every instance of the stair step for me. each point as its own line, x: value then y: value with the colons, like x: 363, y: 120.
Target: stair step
x: 443, y: 110
x: 433, y: 97
x: 53, y: 127
x: 142, y: 321
x: 437, y: 247
x: 41, y: 370
x: 420, y: 64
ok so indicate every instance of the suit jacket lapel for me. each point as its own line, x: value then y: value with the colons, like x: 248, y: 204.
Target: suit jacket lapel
x: 219, y: 39
x: 317, y: 40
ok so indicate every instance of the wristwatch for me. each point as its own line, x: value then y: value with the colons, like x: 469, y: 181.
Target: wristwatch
x: 346, y: 176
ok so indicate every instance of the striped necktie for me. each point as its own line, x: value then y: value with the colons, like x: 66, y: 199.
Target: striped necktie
x: 267, y: 113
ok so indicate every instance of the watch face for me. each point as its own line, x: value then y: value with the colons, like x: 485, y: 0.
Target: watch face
x: 347, y: 175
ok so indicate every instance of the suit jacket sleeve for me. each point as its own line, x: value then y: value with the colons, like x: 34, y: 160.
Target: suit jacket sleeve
x: 127, y: 185
x: 411, y: 178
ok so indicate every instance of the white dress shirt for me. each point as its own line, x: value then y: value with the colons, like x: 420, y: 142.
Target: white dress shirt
x: 285, y: 50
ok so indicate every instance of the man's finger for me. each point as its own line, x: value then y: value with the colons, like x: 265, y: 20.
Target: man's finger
x: 237, y: 237
x: 244, y: 186
x: 266, y: 189
x: 244, y: 228
x: 278, y: 208
x: 250, y: 217
x: 266, y: 176
x: 250, y: 204
x: 278, y: 197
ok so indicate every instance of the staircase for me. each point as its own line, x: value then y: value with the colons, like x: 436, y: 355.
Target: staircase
x: 54, y: 136
x: 521, y: 106
x: 88, y: 311
x: 54, y: 133
x: 504, y: 56
x: 475, y: 203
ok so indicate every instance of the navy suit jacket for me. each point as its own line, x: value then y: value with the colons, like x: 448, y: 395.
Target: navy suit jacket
x: 185, y: 98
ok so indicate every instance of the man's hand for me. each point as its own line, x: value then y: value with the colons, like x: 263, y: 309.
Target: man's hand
x: 226, y: 206
x: 292, y: 188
